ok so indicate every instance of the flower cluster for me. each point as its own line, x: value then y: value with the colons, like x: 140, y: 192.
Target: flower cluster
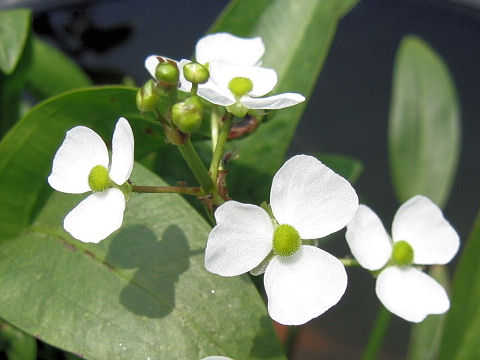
x: 236, y: 80
x: 420, y: 236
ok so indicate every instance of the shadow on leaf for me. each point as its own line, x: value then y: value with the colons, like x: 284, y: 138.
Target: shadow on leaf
x: 159, y: 263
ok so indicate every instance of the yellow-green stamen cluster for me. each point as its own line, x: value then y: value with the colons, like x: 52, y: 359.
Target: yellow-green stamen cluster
x: 402, y: 253
x: 240, y: 86
x: 98, y: 179
x: 286, y: 240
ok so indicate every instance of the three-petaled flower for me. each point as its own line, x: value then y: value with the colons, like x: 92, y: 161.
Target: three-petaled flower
x: 82, y: 164
x: 308, y: 201
x: 420, y: 235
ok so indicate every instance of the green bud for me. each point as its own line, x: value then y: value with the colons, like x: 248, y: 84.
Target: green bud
x: 196, y: 73
x: 402, y: 253
x: 286, y: 240
x: 240, y: 86
x: 99, y: 179
x: 167, y: 72
x: 148, y: 97
x: 187, y: 115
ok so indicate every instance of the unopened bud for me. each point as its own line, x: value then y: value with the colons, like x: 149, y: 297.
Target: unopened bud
x: 148, y: 97
x: 167, y: 72
x: 187, y: 115
x: 196, y: 73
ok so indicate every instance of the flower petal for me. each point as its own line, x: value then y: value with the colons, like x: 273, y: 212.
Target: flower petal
x: 122, y: 152
x: 216, y: 358
x: 211, y: 92
x: 97, y: 216
x: 151, y: 63
x: 311, y: 197
x: 279, y: 101
x: 368, y: 240
x: 240, y: 241
x: 421, y: 223
x: 263, y: 79
x: 184, y: 85
x: 303, y: 286
x: 224, y: 46
x: 81, y: 150
x: 411, y: 294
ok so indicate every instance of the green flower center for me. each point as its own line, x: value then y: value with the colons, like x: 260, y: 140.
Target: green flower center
x: 402, y: 253
x: 98, y: 178
x: 240, y: 86
x: 286, y: 240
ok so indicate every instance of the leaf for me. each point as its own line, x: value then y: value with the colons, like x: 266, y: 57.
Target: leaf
x: 51, y: 72
x: 143, y: 293
x: 424, y: 124
x: 94, y: 107
x: 19, y: 346
x: 462, y: 326
x: 14, y: 30
x: 425, y: 337
x: 297, y: 56
x: 345, y: 166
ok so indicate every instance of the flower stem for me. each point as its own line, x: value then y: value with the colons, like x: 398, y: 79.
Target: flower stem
x: 194, y: 191
x: 199, y: 171
x: 378, y: 333
x: 218, y: 152
x: 349, y: 262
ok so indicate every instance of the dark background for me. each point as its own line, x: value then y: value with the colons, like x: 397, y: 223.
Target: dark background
x: 347, y: 113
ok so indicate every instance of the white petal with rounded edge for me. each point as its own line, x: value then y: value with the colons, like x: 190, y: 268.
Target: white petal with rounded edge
x: 224, y: 46
x: 184, y: 85
x: 279, y: 101
x: 411, y: 294
x: 240, y: 241
x: 303, y: 286
x: 122, y: 152
x: 311, y: 197
x: 81, y: 150
x: 263, y: 79
x: 215, y: 95
x: 97, y: 216
x: 151, y: 63
x: 421, y: 223
x: 368, y: 240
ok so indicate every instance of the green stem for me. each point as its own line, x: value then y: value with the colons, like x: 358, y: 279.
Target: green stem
x: 219, y: 147
x: 199, y: 171
x: 194, y: 191
x: 349, y: 262
x: 378, y: 333
x: 214, y: 119
x: 194, y: 89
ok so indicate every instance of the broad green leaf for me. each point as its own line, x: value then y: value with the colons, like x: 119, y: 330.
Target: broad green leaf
x: 143, y: 293
x: 425, y: 337
x: 95, y: 107
x: 424, y: 128
x: 297, y: 56
x: 462, y: 326
x: 346, y: 166
x: 51, y: 72
x: 16, y: 344
x: 14, y: 31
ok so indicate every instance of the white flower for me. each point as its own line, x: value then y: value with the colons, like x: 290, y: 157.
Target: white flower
x: 240, y: 88
x: 219, y: 46
x: 217, y: 358
x: 81, y: 164
x: 420, y: 236
x: 308, y: 201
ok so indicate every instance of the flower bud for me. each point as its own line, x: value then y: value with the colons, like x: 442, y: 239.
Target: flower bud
x: 167, y: 72
x: 187, y: 115
x: 148, y: 97
x: 196, y: 73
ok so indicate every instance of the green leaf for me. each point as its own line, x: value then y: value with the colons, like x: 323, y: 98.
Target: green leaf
x: 424, y: 128
x: 297, y: 56
x: 462, y: 326
x: 142, y: 293
x: 14, y: 31
x: 425, y: 337
x: 51, y: 72
x: 346, y: 166
x: 94, y: 107
x: 16, y: 344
